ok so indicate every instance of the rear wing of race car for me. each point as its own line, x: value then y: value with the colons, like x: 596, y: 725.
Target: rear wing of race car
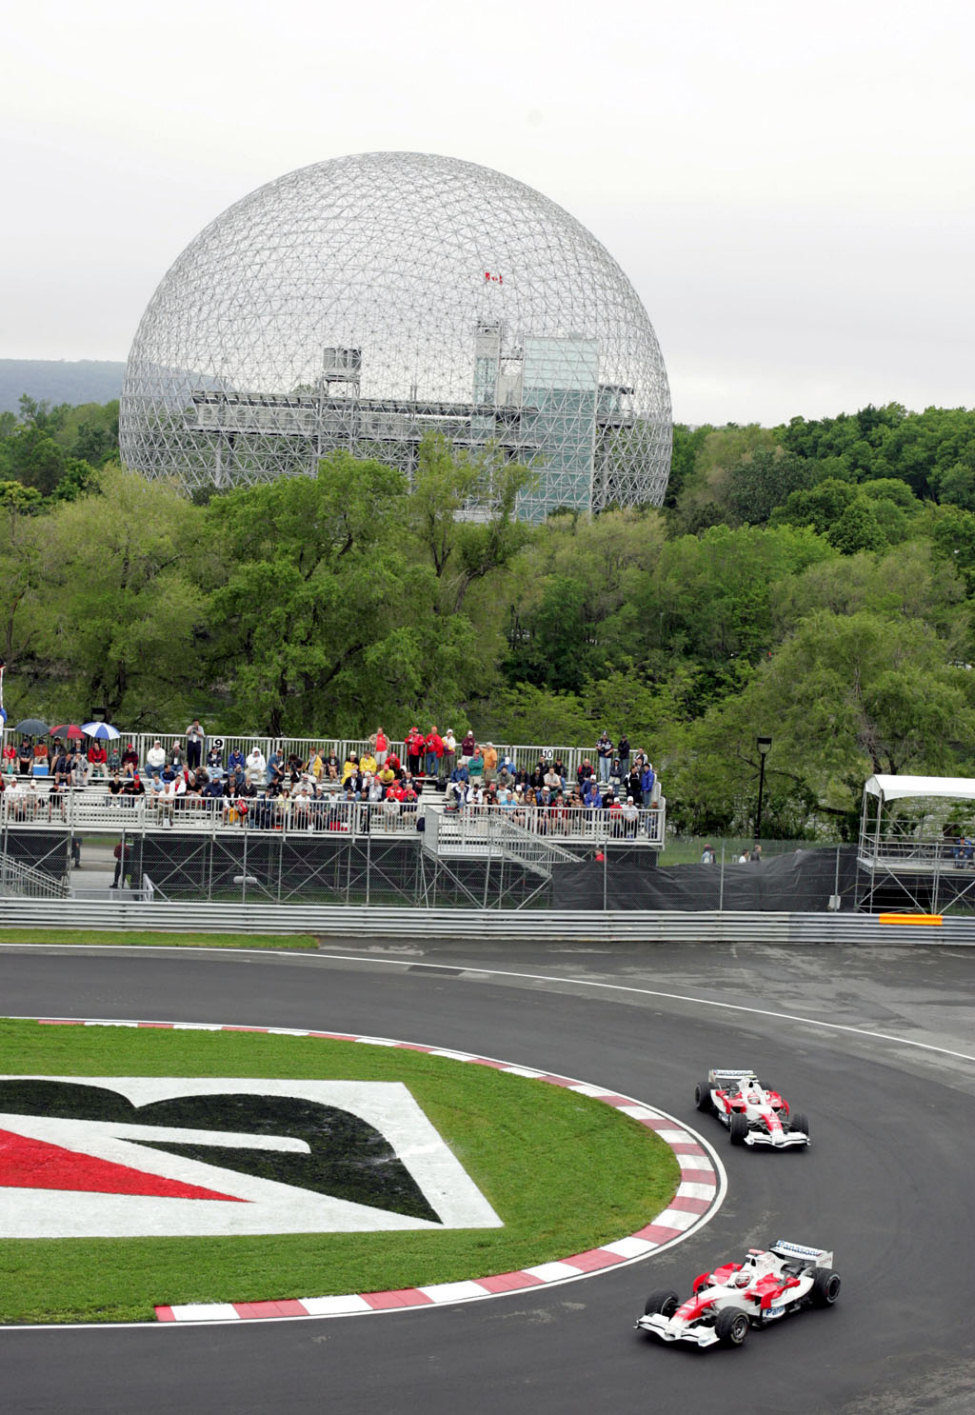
x: 819, y: 1256
x: 720, y: 1078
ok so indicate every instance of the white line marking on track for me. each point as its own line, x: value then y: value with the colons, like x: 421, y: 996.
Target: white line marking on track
x: 413, y: 965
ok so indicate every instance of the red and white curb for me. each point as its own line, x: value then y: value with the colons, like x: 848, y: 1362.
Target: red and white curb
x: 699, y: 1195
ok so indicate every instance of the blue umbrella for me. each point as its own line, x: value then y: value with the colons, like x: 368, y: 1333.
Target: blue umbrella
x: 104, y: 730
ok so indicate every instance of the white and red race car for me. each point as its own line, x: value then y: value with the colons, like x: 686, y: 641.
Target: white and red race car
x: 753, y: 1114
x: 728, y: 1302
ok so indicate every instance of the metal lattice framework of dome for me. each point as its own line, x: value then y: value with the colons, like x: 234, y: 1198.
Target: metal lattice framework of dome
x: 362, y: 302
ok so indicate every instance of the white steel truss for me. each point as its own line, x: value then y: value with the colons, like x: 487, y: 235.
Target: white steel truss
x: 363, y: 302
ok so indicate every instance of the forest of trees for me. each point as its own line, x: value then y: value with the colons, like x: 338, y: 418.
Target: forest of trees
x: 811, y: 582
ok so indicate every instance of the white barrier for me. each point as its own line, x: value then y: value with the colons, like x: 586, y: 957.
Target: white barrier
x: 358, y: 926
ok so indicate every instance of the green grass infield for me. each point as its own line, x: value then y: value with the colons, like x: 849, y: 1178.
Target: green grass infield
x: 156, y: 938
x: 564, y: 1173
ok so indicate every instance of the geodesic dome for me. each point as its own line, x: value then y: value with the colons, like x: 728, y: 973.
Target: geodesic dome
x: 363, y: 302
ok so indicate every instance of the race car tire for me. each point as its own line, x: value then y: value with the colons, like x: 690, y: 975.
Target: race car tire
x: 702, y: 1097
x: 731, y: 1327
x: 797, y: 1121
x: 738, y: 1128
x: 664, y: 1303
x: 825, y: 1288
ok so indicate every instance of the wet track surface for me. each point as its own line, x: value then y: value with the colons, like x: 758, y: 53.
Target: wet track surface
x: 887, y: 1183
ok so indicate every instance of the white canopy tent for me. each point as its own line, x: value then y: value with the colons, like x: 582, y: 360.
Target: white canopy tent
x: 919, y: 856
x: 895, y: 788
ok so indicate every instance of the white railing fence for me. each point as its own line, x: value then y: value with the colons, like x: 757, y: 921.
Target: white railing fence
x: 525, y: 755
x: 94, y: 808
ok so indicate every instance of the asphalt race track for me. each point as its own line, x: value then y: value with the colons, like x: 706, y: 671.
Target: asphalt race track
x: 887, y: 1183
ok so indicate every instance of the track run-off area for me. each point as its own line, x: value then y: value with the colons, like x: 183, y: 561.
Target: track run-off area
x: 876, y: 1046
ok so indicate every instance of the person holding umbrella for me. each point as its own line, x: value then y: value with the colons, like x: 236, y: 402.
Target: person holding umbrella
x: 97, y: 758
x: 31, y: 728
x: 100, y: 733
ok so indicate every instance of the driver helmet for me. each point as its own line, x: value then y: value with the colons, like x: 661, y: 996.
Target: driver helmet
x: 744, y: 1276
x: 753, y: 1096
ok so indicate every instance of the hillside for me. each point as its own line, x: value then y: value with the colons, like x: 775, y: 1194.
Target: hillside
x: 59, y: 381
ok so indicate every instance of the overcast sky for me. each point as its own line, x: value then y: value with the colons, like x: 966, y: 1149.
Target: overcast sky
x: 790, y: 188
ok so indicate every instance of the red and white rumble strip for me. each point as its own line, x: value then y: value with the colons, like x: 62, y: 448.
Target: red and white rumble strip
x: 700, y: 1192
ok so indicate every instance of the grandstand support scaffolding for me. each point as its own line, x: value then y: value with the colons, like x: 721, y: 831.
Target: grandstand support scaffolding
x: 916, y: 850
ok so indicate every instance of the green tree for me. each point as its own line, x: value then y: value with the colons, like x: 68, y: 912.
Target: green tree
x: 322, y: 617
x: 463, y: 514
x: 121, y: 605
x: 33, y: 457
x: 845, y: 696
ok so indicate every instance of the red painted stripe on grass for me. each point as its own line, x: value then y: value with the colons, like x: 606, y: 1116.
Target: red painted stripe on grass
x: 37, y: 1164
x: 165, y: 1314
x: 60, y: 1022
x: 403, y: 1297
x: 163, y: 1026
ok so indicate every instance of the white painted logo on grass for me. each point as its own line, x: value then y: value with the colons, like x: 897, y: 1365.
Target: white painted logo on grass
x: 133, y: 1156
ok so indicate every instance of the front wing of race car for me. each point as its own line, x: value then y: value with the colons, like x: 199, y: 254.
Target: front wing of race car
x: 677, y: 1329
x: 780, y: 1140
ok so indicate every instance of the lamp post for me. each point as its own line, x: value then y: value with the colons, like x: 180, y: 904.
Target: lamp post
x: 764, y: 745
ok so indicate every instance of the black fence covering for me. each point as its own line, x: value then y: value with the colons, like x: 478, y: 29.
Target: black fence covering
x: 803, y: 880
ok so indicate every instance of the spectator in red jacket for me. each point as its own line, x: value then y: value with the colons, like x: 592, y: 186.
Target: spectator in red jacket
x: 97, y: 759
x: 434, y: 751
x: 415, y: 742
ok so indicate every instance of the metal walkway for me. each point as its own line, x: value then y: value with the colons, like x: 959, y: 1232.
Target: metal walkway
x: 491, y: 835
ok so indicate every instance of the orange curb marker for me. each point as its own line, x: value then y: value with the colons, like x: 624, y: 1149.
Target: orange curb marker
x: 909, y: 918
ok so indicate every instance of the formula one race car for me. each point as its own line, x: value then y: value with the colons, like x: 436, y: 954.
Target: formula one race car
x: 737, y: 1296
x: 753, y: 1114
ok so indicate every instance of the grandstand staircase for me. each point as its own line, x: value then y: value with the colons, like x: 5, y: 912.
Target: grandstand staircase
x: 455, y: 836
x: 27, y: 882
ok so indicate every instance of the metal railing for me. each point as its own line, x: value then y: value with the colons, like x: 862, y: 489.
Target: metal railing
x: 927, y: 852
x: 95, y: 809
x: 24, y: 881
x: 335, y: 925
x: 522, y: 754
x: 472, y: 826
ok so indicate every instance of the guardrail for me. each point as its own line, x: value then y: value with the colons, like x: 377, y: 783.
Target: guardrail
x: 354, y: 926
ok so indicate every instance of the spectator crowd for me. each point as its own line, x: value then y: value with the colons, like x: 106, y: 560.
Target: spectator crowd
x: 247, y: 785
